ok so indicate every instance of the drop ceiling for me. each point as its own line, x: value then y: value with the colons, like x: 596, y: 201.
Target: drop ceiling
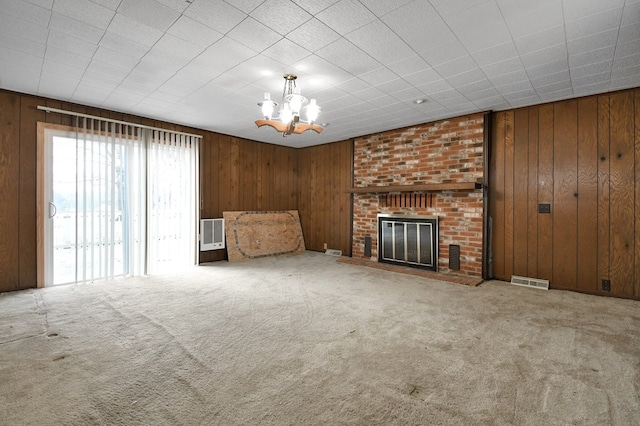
x: 206, y: 63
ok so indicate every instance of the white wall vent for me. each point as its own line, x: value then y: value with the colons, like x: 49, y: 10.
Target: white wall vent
x: 211, y: 234
x: 530, y: 282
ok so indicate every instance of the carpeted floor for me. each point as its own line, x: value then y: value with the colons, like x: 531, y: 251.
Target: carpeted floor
x: 309, y: 340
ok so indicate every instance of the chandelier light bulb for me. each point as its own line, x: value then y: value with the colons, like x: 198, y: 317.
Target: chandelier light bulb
x: 286, y: 114
x: 267, y: 106
x: 296, y: 101
x: 312, y: 111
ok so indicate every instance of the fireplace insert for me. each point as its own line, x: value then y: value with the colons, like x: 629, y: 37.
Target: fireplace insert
x: 408, y: 240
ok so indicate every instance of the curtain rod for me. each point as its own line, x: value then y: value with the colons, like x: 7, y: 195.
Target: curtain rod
x: 94, y: 117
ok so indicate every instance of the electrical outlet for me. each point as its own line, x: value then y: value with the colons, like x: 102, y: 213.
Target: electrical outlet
x: 606, y: 285
x: 325, y: 246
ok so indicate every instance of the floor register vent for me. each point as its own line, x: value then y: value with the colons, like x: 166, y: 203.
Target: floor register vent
x: 530, y: 282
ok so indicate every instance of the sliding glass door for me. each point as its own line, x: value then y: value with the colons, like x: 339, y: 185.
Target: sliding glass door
x: 116, y: 201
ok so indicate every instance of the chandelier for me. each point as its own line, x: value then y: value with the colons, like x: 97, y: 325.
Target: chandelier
x: 288, y: 120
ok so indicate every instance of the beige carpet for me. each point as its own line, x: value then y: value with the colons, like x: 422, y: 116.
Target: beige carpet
x: 307, y: 340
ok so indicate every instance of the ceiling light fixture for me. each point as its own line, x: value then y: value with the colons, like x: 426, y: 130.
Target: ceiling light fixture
x: 288, y: 120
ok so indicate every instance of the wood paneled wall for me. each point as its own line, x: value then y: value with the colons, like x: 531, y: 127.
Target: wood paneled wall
x: 582, y: 157
x: 236, y: 174
x: 324, y: 205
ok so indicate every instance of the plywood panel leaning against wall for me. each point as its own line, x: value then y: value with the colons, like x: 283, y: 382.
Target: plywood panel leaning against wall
x: 583, y: 175
x: 257, y: 234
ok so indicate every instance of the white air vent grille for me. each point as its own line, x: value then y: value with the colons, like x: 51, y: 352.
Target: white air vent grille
x: 211, y: 234
x: 530, y: 282
x: 333, y: 252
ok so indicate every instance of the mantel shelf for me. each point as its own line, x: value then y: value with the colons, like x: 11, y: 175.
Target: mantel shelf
x: 427, y: 187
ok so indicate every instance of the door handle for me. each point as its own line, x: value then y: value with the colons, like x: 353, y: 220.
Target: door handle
x: 52, y: 210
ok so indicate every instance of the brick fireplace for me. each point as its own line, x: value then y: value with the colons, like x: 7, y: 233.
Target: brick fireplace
x: 444, y: 162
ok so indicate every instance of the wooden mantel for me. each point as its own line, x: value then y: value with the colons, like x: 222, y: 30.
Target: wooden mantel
x: 426, y: 187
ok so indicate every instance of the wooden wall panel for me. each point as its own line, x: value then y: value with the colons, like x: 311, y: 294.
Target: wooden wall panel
x: 324, y: 204
x: 587, y: 245
x: 565, y: 190
x: 582, y: 158
x: 636, y: 290
x: 545, y: 192
x: 508, y: 194
x: 520, y: 192
x: 604, y: 257
x: 496, y: 190
x: 622, y: 192
x: 10, y: 190
x: 532, y: 191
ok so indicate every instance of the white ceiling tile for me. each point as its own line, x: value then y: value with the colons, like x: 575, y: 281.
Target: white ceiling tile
x: 422, y: 77
x: 626, y: 61
x: 178, y: 5
x: 591, y: 89
x: 21, y: 58
x: 409, y: 94
x: 65, y: 57
x: 254, y: 34
x: 17, y: 76
x: 313, y: 35
x: 509, y: 78
x: 150, y: 13
x: 378, y: 76
x: 218, y: 15
x: 314, y: 6
x: 346, y: 16
x: 193, y: 31
x: 477, y: 86
x: 286, y: 52
x: 348, y: 57
x: 464, y: 78
x: 450, y: 8
x: 554, y: 87
x: 22, y: 44
x: 575, y: 9
x: 593, y: 24
x: 181, y: 85
x: 382, y: 7
x: 119, y: 59
x: 113, y: 41
x: 369, y: 94
x: 625, y: 83
x: 592, y: 56
x: 549, y: 54
x: 498, y: 53
x: 60, y: 69
x: 46, y: 4
x: 446, y: 54
x: 75, y: 28
x: 57, y: 86
x: 73, y: 44
x: 282, y: 16
x: 590, y: 69
x: 26, y: 11
x: 504, y: 67
x: 130, y: 29
x: 393, y: 86
x: 628, y: 48
x: 319, y: 67
x: 16, y: 29
x: 109, y: 4
x: 523, y: 102
x: 555, y: 96
x: 562, y: 76
x: 482, y: 94
x: 251, y: 69
x: 105, y: 73
x: 629, y: 33
x: 547, y: 69
x: 246, y: 6
x: 409, y: 66
x: 380, y: 42
x: 435, y: 86
x: 593, y: 42
x: 177, y: 49
x: 588, y: 80
x: 354, y: 85
x: 525, y: 17
x: 515, y: 90
x: 456, y: 66
x: 538, y: 41
x: 85, y: 11
x: 631, y: 13
x: 515, y: 96
x: 480, y: 27
x: 496, y: 103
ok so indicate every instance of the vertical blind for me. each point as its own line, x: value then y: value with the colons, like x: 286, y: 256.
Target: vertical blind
x: 137, y: 199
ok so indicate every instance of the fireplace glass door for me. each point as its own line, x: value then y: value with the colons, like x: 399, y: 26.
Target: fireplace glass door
x: 409, y: 241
